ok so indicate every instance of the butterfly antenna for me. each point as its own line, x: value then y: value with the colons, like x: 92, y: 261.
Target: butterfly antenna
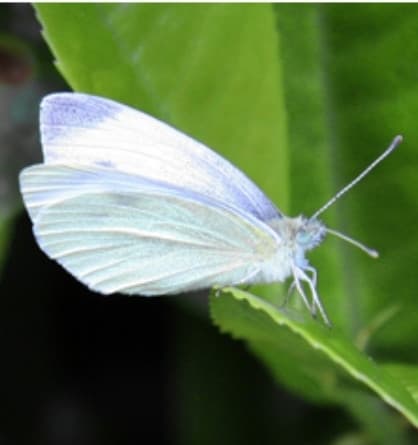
x: 371, y: 252
x: 396, y: 141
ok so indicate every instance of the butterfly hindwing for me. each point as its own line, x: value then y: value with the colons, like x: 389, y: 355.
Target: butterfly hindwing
x: 118, y: 235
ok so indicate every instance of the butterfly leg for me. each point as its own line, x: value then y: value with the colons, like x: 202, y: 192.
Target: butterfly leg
x: 313, y: 279
x: 312, y: 270
x: 296, y: 281
x: 218, y: 291
x: 316, y: 300
x: 288, y: 294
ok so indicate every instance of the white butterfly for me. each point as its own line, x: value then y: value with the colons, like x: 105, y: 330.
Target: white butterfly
x: 128, y: 204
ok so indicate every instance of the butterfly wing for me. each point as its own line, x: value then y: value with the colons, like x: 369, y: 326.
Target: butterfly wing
x: 117, y: 234
x: 82, y: 129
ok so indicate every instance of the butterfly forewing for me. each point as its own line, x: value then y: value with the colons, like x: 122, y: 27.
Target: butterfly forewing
x: 88, y: 130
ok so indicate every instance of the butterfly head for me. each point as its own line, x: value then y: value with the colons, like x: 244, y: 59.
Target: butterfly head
x: 301, y: 234
x: 310, y: 233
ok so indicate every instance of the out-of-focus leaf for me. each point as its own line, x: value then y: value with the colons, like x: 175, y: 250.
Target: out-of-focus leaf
x: 372, y: 94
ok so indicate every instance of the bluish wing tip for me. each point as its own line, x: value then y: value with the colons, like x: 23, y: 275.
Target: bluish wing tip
x: 74, y: 110
x: 54, y: 98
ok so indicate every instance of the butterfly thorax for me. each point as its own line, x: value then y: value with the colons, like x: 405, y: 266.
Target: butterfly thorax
x: 297, y: 236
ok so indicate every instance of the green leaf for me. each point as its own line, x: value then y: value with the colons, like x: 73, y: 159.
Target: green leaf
x: 372, y: 96
x: 407, y: 374
x: 279, y: 337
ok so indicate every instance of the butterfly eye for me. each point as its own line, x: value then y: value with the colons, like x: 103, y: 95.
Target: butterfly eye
x: 303, y: 237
